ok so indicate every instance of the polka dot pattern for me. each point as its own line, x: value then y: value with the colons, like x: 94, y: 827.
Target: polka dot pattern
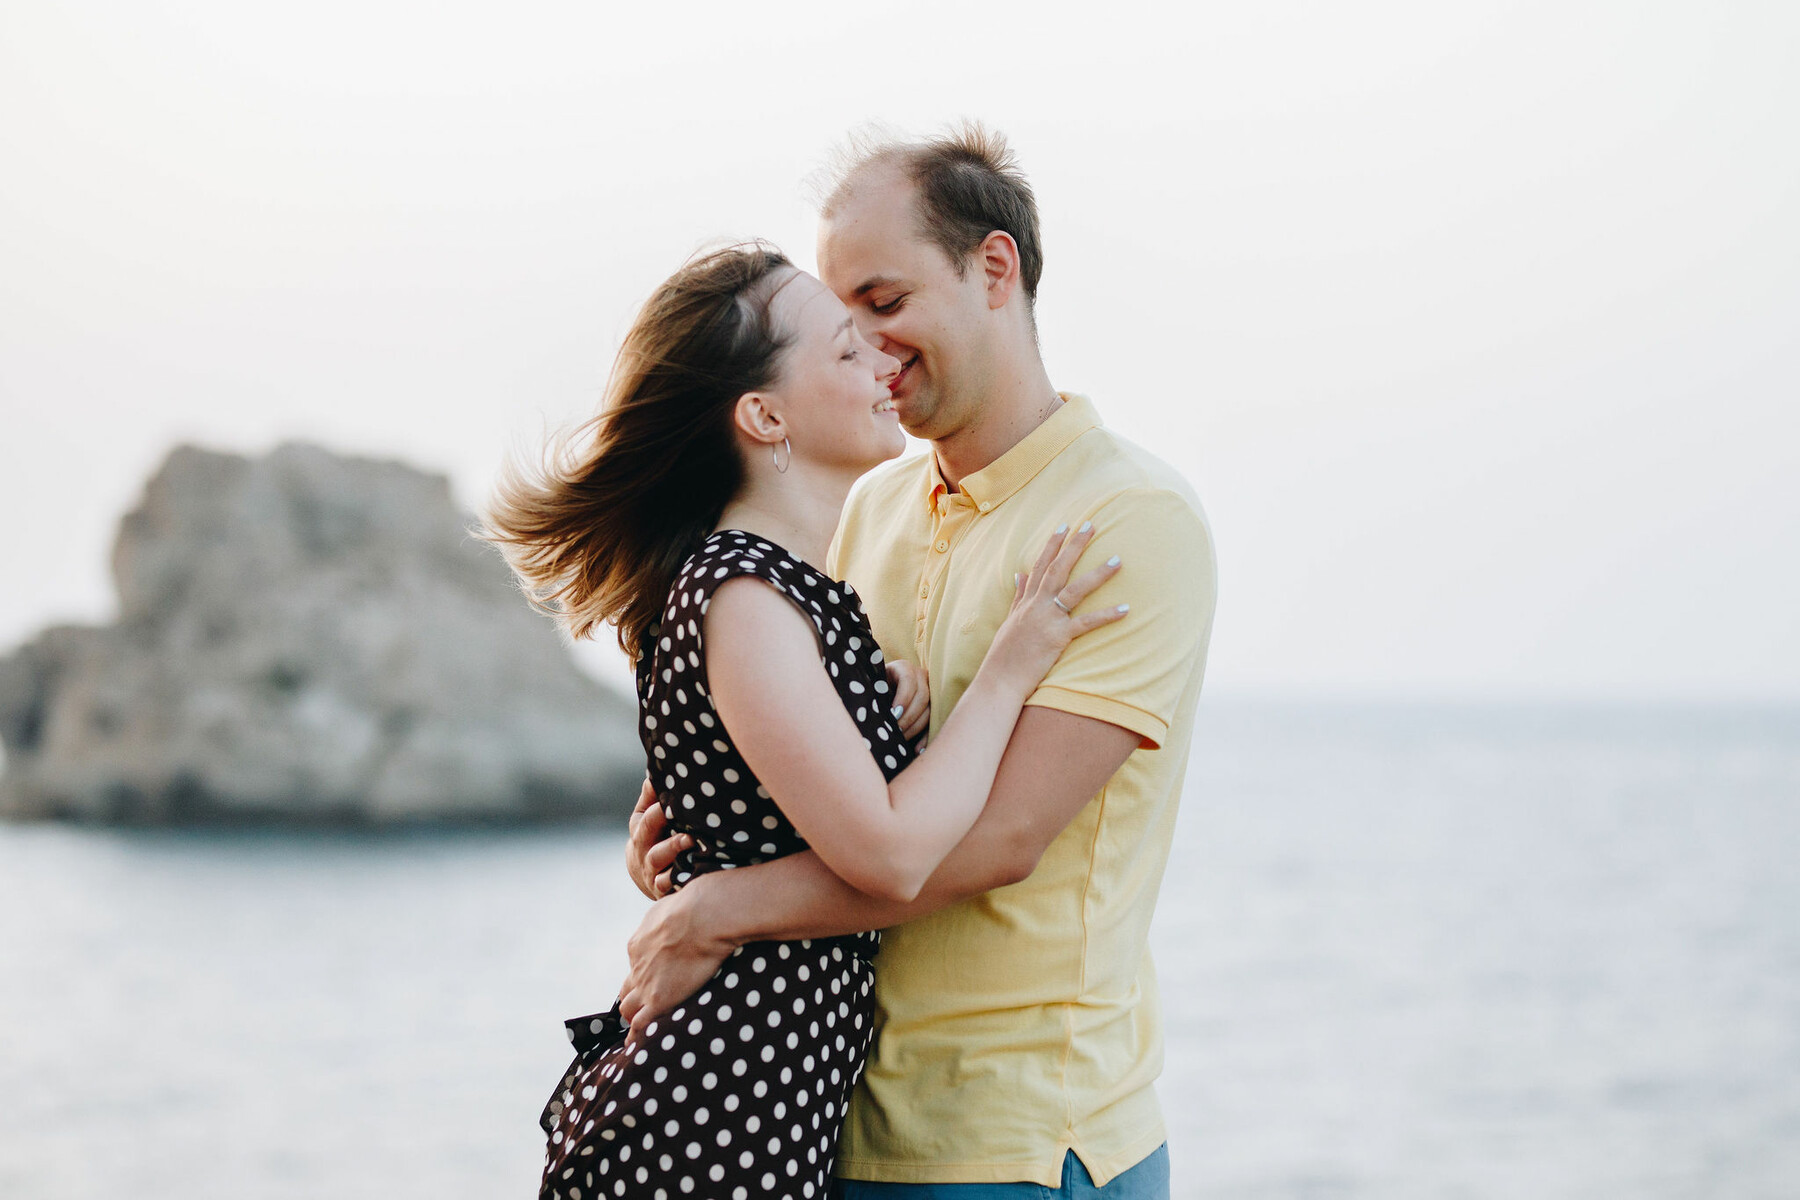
x: 740, y: 1091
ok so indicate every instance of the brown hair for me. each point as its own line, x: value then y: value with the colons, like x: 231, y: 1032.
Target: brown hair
x: 969, y: 185
x: 598, y: 529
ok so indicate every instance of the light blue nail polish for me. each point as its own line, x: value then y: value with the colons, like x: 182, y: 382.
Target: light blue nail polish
x: 1124, y: 608
x: 1085, y: 527
x: 1113, y: 561
x: 1061, y: 529
x: 898, y: 709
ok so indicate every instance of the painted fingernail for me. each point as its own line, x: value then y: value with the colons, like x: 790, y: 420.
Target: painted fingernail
x: 1060, y: 530
x: 1114, y: 561
x: 1124, y: 608
x: 1017, y: 579
x: 1086, y: 526
x: 898, y: 709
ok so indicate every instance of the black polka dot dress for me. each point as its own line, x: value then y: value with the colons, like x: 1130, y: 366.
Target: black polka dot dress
x: 740, y: 1091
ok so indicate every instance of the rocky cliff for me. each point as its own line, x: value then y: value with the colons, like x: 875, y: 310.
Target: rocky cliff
x: 308, y: 637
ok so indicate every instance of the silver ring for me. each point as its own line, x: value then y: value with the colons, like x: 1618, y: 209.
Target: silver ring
x: 1057, y: 600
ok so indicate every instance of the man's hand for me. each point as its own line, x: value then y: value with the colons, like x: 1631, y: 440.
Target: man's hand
x: 649, y: 851
x: 1054, y: 766
x: 672, y: 957
x: 912, y: 697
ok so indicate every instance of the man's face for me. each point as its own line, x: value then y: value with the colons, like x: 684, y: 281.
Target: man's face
x: 909, y: 302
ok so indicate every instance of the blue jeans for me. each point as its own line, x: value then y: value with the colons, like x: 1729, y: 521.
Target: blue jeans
x: 1149, y: 1180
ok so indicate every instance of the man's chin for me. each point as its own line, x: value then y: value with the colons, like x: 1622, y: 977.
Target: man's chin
x: 914, y: 412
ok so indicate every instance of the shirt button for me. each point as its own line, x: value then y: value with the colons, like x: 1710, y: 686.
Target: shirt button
x: 986, y: 504
x: 924, y: 593
x: 942, y: 546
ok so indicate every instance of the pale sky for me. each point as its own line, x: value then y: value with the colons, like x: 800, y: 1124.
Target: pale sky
x: 1474, y: 325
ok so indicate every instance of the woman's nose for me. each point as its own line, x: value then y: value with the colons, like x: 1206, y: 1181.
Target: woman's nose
x: 886, y: 366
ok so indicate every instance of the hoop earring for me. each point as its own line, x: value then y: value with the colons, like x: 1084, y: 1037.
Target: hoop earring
x: 779, y: 465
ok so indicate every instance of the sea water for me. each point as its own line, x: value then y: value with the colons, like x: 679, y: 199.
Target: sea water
x: 1405, y: 953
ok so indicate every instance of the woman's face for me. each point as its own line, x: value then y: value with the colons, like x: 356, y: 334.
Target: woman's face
x: 833, y: 390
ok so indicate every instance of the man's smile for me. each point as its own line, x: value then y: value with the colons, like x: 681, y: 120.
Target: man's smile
x: 899, y: 380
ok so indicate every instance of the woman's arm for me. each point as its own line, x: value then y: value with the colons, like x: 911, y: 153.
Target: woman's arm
x: 787, y: 721
x: 1055, y: 764
x: 650, y: 849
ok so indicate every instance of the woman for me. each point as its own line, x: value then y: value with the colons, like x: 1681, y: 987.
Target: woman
x: 743, y: 406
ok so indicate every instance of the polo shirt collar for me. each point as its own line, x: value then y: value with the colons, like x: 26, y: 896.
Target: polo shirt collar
x: 989, y: 487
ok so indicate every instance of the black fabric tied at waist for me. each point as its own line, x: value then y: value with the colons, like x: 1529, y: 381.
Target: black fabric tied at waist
x: 596, y: 1031
x: 591, y: 1036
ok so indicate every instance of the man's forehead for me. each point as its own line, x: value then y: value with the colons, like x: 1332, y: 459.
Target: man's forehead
x: 872, y: 230
x: 878, y: 189
x: 854, y: 260
x: 870, y: 283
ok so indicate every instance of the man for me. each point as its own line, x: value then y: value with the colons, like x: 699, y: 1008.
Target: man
x: 1020, y: 1029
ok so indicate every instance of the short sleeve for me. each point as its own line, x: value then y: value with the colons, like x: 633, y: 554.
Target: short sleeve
x: 791, y: 579
x: 1133, y: 672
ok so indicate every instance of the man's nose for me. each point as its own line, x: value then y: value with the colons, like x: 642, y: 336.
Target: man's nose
x: 868, y: 325
x: 887, y: 366
x: 876, y: 335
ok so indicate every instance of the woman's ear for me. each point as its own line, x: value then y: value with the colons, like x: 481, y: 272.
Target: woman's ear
x: 753, y: 415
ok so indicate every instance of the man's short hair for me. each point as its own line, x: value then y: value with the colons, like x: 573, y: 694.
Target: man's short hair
x: 969, y: 185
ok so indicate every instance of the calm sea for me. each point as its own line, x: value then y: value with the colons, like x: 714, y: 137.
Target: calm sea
x: 1431, y: 953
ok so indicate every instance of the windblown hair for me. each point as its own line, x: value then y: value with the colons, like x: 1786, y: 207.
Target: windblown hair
x: 969, y: 185
x: 598, y: 528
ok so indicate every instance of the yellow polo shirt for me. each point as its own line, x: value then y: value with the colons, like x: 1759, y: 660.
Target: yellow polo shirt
x: 1024, y: 1023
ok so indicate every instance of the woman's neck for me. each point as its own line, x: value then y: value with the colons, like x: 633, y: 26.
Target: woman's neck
x: 798, y: 510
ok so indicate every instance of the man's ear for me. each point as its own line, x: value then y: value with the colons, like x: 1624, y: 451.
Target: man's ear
x: 754, y: 415
x: 998, y: 255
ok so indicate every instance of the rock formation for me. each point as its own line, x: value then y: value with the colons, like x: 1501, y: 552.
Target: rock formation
x: 308, y: 637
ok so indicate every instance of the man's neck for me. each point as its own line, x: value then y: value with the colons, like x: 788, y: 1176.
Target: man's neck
x: 1012, y: 409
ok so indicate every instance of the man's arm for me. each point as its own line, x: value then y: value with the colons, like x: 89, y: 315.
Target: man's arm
x: 1129, y: 674
x: 1054, y: 764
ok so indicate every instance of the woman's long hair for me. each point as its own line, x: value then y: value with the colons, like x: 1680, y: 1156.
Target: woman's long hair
x: 597, y: 530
